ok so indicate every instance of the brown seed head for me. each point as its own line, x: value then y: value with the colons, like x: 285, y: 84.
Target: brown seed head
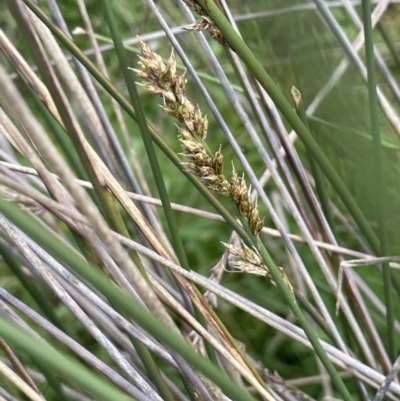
x: 248, y: 208
x: 161, y: 80
x: 249, y: 260
x: 256, y: 224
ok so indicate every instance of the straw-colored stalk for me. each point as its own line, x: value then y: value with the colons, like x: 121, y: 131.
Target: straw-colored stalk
x: 161, y: 79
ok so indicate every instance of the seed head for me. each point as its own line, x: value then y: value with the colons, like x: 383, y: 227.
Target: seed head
x: 196, y: 7
x: 218, y: 162
x: 205, y: 23
x: 162, y: 80
x: 249, y: 260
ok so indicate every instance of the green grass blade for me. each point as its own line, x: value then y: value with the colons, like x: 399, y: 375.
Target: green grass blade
x: 315, y: 170
x: 379, y: 176
x: 146, y: 136
x: 72, y: 370
x: 389, y: 43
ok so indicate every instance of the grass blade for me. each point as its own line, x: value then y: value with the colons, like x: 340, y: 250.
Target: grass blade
x: 379, y: 176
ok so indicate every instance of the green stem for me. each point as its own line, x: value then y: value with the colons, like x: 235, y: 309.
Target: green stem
x: 286, y: 109
x: 152, y: 369
x: 315, y: 170
x: 146, y: 136
x: 52, y: 380
x: 380, y: 190
x: 347, y: 130
x: 389, y: 43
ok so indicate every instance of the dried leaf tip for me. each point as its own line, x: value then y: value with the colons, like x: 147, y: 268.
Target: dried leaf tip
x: 296, y: 95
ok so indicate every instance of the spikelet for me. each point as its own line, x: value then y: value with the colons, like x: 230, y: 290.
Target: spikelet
x: 205, y: 23
x: 248, y: 208
x: 249, y: 260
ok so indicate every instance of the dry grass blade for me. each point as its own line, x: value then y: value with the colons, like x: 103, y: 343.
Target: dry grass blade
x: 223, y: 352
x: 17, y: 381
x: 19, y: 366
x: 72, y: 344
x: 384, y: 387
x: 50, y: 280
x: 182, y: 208
x: 346, y: 265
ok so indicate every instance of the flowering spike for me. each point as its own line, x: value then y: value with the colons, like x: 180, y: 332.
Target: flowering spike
x: 161, y: 80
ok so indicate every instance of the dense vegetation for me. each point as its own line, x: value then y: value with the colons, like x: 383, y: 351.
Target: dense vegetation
x: 232, y: 198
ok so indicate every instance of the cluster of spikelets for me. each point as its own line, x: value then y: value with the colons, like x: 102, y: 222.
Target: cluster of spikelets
x: 205, y: 23
x: 162, y: 80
